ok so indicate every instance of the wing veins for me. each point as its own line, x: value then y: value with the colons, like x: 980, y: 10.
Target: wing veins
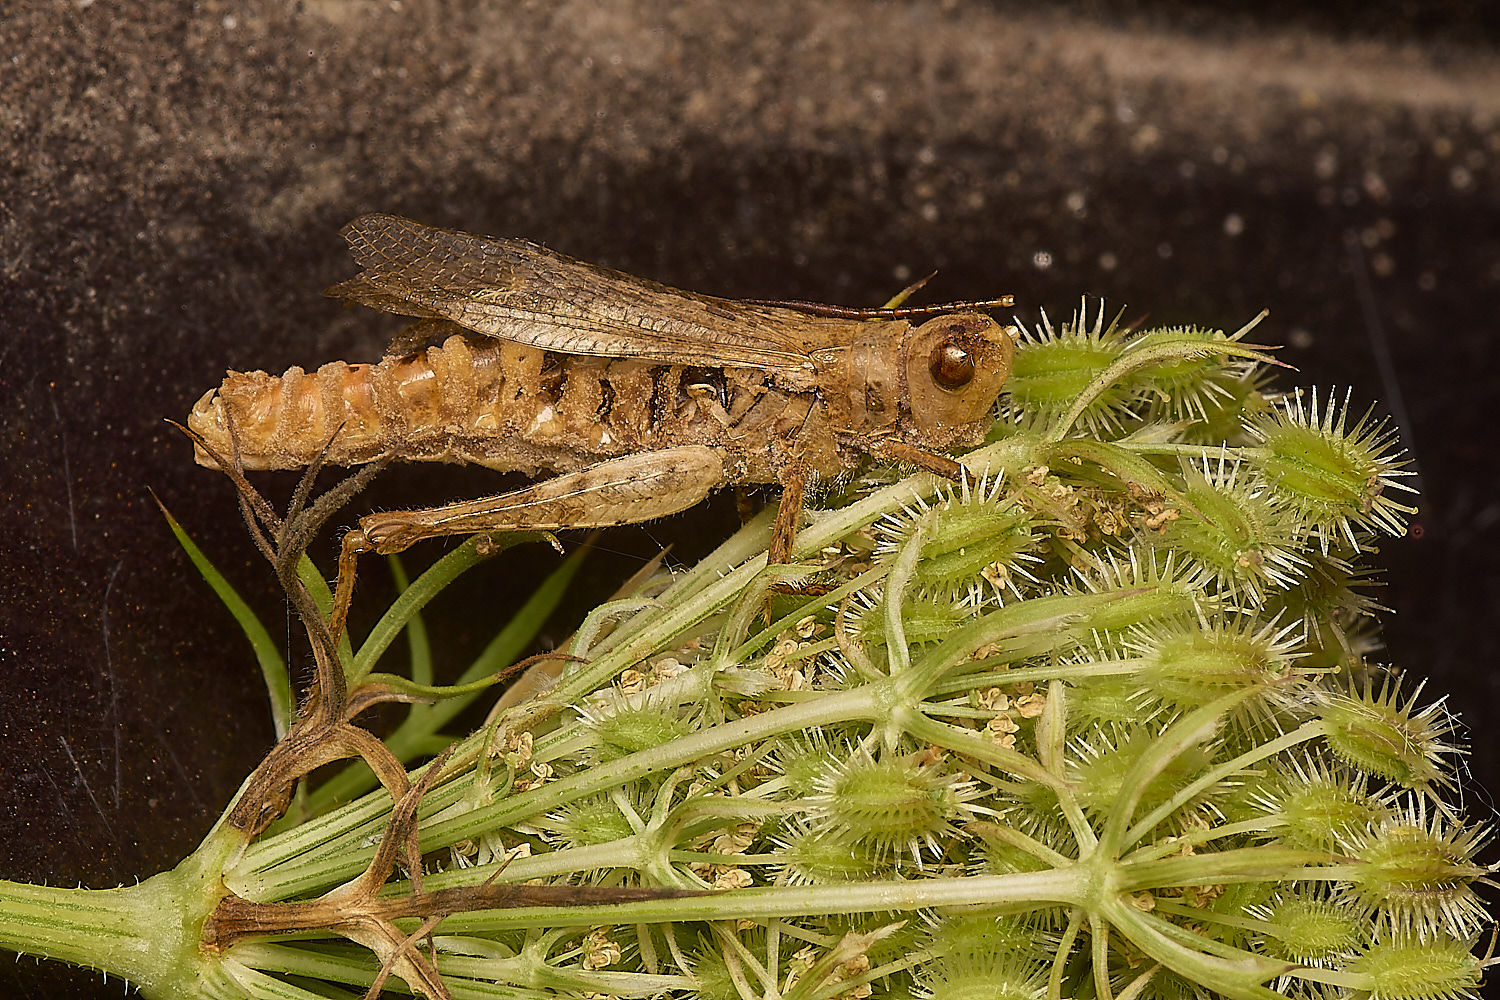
x: 515, y: 290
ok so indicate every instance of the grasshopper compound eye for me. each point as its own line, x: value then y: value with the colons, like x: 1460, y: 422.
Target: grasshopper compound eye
x: 951, y: 365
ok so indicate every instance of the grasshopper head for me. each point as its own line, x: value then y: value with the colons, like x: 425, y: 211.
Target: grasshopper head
x: 953, y: 367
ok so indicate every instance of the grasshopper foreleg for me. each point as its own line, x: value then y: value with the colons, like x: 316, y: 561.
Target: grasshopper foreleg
x: 938, y: 465
x: 623, y: 490
x: 789, y: 514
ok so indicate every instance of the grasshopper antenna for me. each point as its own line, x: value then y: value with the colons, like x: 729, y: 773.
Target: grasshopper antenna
x: 893, y: 308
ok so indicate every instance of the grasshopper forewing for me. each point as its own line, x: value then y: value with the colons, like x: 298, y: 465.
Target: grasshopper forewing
x: 641, y: 398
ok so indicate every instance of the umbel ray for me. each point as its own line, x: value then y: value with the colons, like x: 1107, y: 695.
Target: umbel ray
x: 641, y: 399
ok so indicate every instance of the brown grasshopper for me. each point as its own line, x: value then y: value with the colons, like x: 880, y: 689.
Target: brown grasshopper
x: 642, y: 398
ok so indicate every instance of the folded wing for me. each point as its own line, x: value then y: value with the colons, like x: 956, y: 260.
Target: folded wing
x: 518, y: 291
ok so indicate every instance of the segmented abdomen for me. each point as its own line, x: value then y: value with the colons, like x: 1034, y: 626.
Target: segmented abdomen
x: 480, y: 400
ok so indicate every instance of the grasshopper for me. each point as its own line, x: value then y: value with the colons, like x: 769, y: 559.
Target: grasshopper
x: 640, y: 398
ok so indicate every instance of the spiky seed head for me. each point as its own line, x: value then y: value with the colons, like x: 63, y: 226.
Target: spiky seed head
x: 898, y: 802
x: 1320, y: 805
x: 1161, y: 587
x: 822, y: 857
x: 977, y: 546
x: 586, y: 822
x: 1191, y: 389
x: 924, y: 619
x: 994, y: 975
x: 1112, y: 702
x: 1310, y: 928
x: 1245, y: 543
x: 1337, y: 478
x: 1381, y: 735
x: 1418, y: 873
x: 1189, y: 663
x: 1054, y: 365
x: 802, y: 760
x: 621, y: 726
x: 1401, y: 969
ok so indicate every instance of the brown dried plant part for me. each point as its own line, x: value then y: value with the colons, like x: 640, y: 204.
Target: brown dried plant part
x: 322, y: 732
x: 642, y: 398
x: 349, y: 910
x: 356, y: 911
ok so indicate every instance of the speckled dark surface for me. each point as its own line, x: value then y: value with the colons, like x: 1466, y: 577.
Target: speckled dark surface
x: 173, y: 176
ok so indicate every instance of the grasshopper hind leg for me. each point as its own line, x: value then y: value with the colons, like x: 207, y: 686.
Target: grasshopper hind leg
x: 625, y: 490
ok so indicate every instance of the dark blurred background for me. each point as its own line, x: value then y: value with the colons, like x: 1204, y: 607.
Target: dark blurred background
x: 173, y: 177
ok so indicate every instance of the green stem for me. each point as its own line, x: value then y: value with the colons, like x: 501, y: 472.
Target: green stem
x: 1064, y: 950
x: 1059, y: 672
x: 413, y: 737
x: 326, y: 850
x: 146, y: 933
x: 1067, y: 886
x: 1166, y: 350
x: 1182, y: 450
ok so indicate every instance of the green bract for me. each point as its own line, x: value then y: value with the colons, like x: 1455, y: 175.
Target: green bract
x: 1099, y: 721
